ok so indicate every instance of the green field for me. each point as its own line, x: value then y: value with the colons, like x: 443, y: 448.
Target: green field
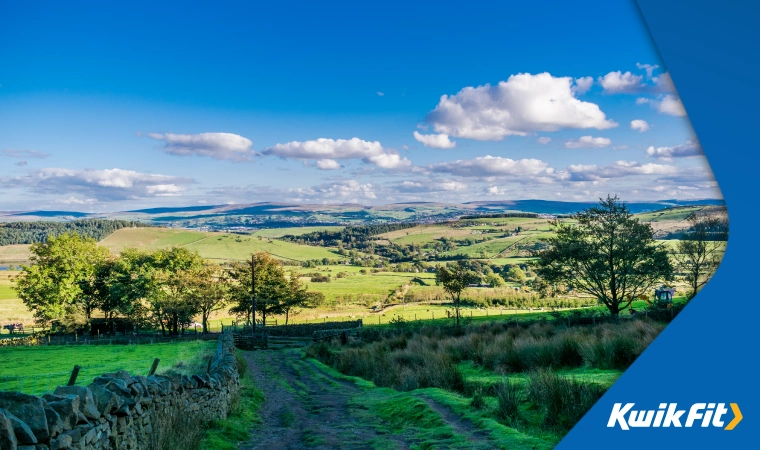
x: 293, y: 231
x: 14, y: 254
x: 40, y: 369
x: 220, y: 246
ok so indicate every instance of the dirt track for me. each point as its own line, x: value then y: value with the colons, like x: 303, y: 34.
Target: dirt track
x: 306, y: 408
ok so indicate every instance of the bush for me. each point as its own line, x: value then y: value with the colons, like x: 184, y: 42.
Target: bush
x: 563, y: 401
x: 319, y: 278
x: 507, y: 393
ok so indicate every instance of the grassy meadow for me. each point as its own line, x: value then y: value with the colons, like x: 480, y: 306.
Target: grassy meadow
x: 39, y: 369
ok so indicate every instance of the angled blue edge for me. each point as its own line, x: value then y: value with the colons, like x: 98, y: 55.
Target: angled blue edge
x: 711, y: 351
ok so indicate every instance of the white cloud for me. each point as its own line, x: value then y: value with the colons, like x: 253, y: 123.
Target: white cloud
x: 103, y: 185
x: 690, y: 149
x: 425, y: 186
x: 328, y: 164
x: 618, y: 82
x: 588, y: 142
x: 648, y: 67
x: 640, y: 125
x: 336, y: 149
x: 380, y: 94
x: 523, y: 104
x: 221, y: 146
x: 492, y: 166
x: 348, y: 191
x: 617, y: 169
x: 664, y: 83
x: 582, y: 85
x: 78, y: 201
x: 544, y: 140
x: 434, y: 140
x: 670, y: 105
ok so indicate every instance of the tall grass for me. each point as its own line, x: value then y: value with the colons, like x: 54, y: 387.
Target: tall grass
x: 408, y: 359
x: 562, y: 400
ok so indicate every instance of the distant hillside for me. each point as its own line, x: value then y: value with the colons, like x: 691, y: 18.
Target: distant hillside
x: 14, y: 233
x: 241, y: 217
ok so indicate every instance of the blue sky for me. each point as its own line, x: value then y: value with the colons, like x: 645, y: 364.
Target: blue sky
x: 106, y: 108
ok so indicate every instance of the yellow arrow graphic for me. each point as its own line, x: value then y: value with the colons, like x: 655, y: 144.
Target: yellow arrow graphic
x: 737, y: 417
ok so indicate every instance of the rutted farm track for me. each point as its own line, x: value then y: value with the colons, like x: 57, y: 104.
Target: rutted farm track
x: 307, y: 408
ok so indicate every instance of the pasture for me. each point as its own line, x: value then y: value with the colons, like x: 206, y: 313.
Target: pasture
x: 39, y: 369
x: 217, y: 246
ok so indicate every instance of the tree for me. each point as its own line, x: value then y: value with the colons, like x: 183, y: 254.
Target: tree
x: 701, y: 249
x: 454, y: 279
x: 51, y: 286
x: 297, y: 297
x: 271, y: 286
x: 208, y: 289
x: 516, y: 275
x: 494, y: 280
x: 608, y: 254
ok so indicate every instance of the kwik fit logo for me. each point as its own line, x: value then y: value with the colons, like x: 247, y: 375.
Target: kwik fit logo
x: 668, y: 415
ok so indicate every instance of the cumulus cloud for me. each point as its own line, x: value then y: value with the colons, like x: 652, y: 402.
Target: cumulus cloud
x: 690, y: 149
x: 425, y: 186
x: 621, y: 83
x: 648, y: 67
x: 348, y: 191
x: 670, y: 105
x: 582, y: 85
x: 337, y: 149
x: 222, y: 146
x: 103, y: 185
x: 434, y: 140
x: 25, y: 154
x: 328, y: 164
x: 544, y: 140
x: 663, y: 83
x: 521, y: 105
x: 640, y: 125
x: 588, y: 142
x: 492, y: 166
x: 617, y: 169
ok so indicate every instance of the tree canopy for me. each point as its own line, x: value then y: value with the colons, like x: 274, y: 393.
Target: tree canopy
x: 607, y: 253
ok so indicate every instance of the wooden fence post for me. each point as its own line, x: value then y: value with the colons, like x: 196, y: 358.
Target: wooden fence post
x: 74, y: 375
x: 154, y: 366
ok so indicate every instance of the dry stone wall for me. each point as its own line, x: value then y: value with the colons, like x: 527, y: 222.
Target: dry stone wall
x: 117, y: 410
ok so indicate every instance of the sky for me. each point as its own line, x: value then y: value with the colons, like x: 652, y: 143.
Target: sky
x: 107, y: 107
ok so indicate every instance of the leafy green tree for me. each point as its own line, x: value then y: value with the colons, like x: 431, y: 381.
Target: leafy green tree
x: 271, y: 286
x: 516, y: 275
x: 298, y: 297
x: 608, y: 254
x: 454, y: 279
x: 494, y: 280
x: 700, y: 250
x: 209, y: 290
x: 51, y: 286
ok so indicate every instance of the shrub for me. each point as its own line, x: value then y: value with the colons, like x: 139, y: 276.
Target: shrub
x: 478, y: 400
x: 507, y: 394
x: 319, y: 278
x: 563, y: 401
